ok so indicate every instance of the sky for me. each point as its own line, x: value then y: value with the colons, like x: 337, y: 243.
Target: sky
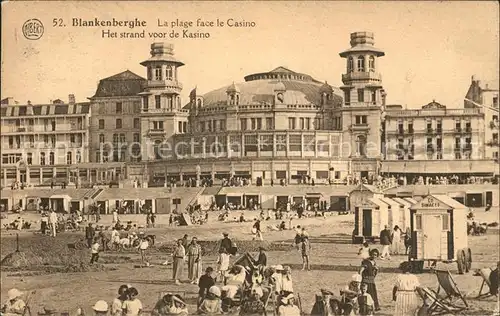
x: 432, y: 48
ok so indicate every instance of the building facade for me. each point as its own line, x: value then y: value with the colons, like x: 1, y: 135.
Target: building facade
x: 484, y: 96
x: 279, y: 125
x: 43, y: 142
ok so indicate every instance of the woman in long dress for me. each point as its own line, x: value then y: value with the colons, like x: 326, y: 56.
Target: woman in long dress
x: 404, y: 292
x: 178, y: 261
x: 396, y: 240
x: 369, y: 271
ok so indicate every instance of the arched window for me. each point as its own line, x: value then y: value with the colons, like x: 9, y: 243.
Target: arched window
x: 150, y: 73
x: 157, y: 74
x: 361, y: 63
x: 237, y: 100
x: 78, y: 156
x: 350, y: 64
x: 371, y: 63
x: 52, y: 158
x: 101, y: 138
x: 169, y: 73
x: 69, y: 158
x: 42, y: 159
x: 232, y: 99
x: 361, y: 146
x: 199, y: 103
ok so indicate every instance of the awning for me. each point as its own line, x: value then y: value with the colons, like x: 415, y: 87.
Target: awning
x: 314, y: 194
x: 60, y: 196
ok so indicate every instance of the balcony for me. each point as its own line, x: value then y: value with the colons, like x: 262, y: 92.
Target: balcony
x: 158, y: 111
x: 173, y: 86
x: 360, y: 127
x: 361, y: 76
x: 457, y: 149
x: 430, y: 149
x: 156, y: 132
x: 457, y: 129
x: 494, y: 124
x: 410, y: 130
x: 468, y: 129
x: 400, y: 131
x: 439, y: 130
x: 429, y: 131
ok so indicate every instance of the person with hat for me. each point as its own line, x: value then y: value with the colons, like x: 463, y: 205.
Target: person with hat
x: 185, y: 241
x: 100, y: 308
x: 117, y: 305
x: 178, y: 262
x: 325, y: 304
x: 194, y: 260
x: 132, y: 306
x: 205, y: 282
x: 211, y: 304
x: 369, y: 271
x: 14, y: 304
x: 225, y: 243
x: 276, y: 278
x: 288, y: 307
x: 286, y: 281
x: 348, y: 302
x: 404, y: 292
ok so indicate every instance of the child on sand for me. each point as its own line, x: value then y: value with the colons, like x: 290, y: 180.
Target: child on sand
x: 364, y: 252
x: 365, y: 301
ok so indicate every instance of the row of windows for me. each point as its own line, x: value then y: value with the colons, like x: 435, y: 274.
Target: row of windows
x: 120, y: 138
x: 304, y: 123
x: 171, y: 102
x: 360, y: 64
x: 212, y: 126
x: 49, y: 140
x: 14, y: 158
x: 256, y: 123
x: 156, y: 73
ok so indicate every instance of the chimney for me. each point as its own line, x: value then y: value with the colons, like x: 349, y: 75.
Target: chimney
x: 71, y: 99
x: 29, y: 102
x: 473, y: 78
x: 486, y: 86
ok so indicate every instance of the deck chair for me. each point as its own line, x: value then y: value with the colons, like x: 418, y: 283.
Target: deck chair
x: 449, y: 286
x: 485, y: 274
x: 435, y: 305
x: 163, y: 293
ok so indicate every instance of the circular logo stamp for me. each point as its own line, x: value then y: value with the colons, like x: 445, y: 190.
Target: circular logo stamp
x: 33, y: 29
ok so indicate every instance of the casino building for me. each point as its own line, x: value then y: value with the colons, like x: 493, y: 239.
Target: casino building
x: 277, y: 125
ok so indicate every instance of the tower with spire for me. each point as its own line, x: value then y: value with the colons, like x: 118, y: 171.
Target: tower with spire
x: 162, y: 115
x: 364, y: 100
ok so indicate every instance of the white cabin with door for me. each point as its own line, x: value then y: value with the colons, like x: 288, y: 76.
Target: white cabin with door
x: 405, y: 213
x: 439, y: 231
x: 394, y: 213
x: 370, y: 217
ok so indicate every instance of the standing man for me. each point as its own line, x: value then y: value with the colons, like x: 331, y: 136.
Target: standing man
x: 89, y: 234
x: 385, y: 241
x: 53, y: 222
x: 226, y: 243
x: 178, y: 262
x: 194, y: 260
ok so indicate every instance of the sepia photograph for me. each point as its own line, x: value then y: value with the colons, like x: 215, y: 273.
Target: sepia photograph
x: 251, y: 158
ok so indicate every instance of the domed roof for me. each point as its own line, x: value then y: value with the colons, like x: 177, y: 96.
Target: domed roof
x: 261, y: 88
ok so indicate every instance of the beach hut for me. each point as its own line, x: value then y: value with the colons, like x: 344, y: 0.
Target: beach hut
x: 439, y: 233
x: 394, y: 212
x: 361, y: 193
x: 370, y: 217
x: 60, y: 202
x: 405, y: 212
